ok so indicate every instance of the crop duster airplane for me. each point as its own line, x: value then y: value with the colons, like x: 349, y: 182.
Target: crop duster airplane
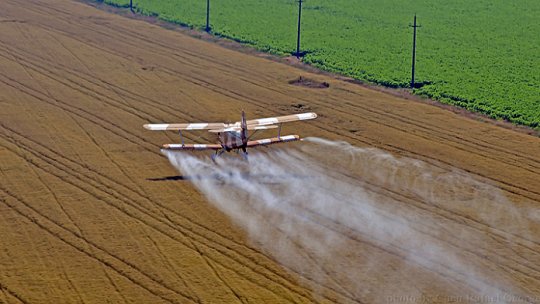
x: 233, y: 136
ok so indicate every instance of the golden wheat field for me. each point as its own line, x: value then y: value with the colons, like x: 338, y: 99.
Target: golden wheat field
x: 422, y: 205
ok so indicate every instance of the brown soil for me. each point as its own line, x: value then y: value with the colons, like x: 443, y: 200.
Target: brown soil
x: 309, y: 83
x: 83, y: 218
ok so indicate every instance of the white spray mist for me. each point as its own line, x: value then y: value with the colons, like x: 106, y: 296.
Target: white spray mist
x: 359, y: 224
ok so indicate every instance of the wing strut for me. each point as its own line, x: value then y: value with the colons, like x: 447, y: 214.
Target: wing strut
x: 279, y: 132
x: 181, y: 137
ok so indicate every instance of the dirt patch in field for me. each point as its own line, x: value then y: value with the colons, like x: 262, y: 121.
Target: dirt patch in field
x: 309, y: 83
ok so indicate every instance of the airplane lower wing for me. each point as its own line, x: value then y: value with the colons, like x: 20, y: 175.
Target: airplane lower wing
x: 191, y: 147
x: 270, y: 141
x: 250, y: 144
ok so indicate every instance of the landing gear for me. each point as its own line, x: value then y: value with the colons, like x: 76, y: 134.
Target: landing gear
x: 245, y: 153
x: 245, y: 156
x: 217, y: 154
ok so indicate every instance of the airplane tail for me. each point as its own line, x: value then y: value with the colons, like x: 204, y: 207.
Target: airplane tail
x: 244, y: 131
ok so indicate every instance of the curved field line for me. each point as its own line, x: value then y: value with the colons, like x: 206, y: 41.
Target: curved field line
x: 10, y: 292
x: 58, y: 231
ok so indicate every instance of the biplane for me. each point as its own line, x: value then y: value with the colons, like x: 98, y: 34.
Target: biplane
x: 233, y: 136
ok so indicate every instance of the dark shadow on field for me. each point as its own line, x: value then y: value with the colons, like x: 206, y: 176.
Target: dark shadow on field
x: 260, y: 178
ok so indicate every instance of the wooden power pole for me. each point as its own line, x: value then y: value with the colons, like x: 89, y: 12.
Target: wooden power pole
x: 414, y: 26
x: 207, y: 29
x: 298, y: 35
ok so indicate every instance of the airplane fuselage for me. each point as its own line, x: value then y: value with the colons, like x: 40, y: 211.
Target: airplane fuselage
x: 230, y: 140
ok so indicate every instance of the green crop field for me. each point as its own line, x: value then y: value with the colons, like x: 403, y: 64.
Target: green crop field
x: 482, y: 55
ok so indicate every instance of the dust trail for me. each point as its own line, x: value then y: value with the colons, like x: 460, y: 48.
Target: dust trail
x: 360, y: 224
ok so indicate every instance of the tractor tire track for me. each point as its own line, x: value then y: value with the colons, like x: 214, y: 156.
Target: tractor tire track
x: 10, y: 292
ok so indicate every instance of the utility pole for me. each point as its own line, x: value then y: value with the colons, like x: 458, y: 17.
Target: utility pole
x: 207, y: 16
x: 414, y: 26
x: 131, y: 5
x: 298, y: 36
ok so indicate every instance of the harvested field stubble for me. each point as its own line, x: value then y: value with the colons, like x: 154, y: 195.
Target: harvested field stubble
x: 91, y: 211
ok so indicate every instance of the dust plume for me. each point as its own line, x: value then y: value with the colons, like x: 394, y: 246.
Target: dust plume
x: 359, y: 224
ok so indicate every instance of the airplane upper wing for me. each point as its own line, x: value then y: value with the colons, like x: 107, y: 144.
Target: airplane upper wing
x: 253, y: 124
x: 185, y: 126
x: 280, y: 119
x: 249, y: 127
